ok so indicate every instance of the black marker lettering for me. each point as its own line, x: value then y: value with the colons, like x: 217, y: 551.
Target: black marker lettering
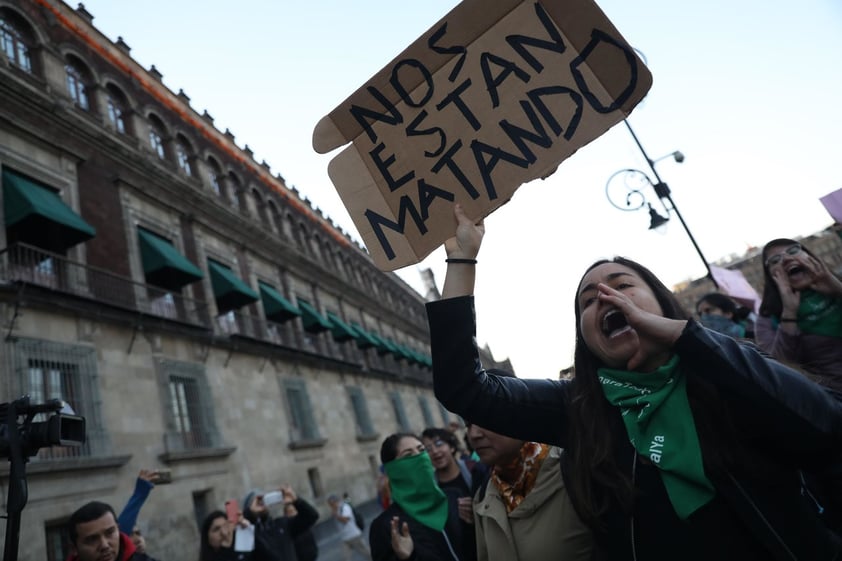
x: 413, y: 130
x: 447, y: 161
x: 362, y: 114
x: 425, y: 74
x: 379, y: 222
x: 487, y: 166
x: 599, y: 37
x: 519, y: 135
x: 432, y: 42
x: 427, y: 194
x: 536, y: 95
x: 453, y: 97
x: 493, y: 82
x: 520, y: 42
x: 383, y: 166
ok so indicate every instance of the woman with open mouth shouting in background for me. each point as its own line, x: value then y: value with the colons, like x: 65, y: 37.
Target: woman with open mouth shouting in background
x: 680, y: 442
x: 801, y: 311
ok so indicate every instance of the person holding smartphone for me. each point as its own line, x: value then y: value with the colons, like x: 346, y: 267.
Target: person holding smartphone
x: 127, y: 521
x: 274, y: 537
x: 217, y: 535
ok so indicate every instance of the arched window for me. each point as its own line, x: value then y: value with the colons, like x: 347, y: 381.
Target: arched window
x: 275, y: 217
x: 234, y: 189
x: 301, y: 237
x: 16, y: 40
x: 316, y: 247
x: 289, y: 227
x: 260, y: 208
x: 215, y: 176
x: 117, y: 108
x: 78, y: 82
x: 157, y: 133
x: 184, y: 155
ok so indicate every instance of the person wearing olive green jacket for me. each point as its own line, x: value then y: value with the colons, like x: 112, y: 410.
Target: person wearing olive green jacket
x: 522, y: 511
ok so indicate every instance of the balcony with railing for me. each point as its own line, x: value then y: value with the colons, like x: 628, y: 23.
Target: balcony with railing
x: 33, y: 266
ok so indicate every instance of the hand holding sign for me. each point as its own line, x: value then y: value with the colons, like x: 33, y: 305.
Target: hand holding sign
x: 492, y: 96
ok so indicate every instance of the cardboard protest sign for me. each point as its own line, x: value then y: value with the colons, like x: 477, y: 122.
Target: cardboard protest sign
x: 492, y: 96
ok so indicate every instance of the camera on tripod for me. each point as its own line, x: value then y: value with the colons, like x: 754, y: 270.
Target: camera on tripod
x: 60, y: 429
x: 21, y: 436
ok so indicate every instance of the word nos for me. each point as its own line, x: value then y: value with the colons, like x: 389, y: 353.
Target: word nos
x: 460, y: 126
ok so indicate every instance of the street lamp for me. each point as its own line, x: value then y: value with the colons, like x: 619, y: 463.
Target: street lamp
x: 634, y: 180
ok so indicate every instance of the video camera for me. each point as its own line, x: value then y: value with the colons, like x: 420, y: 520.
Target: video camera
x: 20, y: 438
x: 60, y: 429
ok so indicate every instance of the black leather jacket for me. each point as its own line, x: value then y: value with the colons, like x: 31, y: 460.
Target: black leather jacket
x: 781, y: 419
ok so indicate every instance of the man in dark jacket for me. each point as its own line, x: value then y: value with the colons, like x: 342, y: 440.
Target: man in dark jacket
x: 274, y: 537
x: 94, y: 536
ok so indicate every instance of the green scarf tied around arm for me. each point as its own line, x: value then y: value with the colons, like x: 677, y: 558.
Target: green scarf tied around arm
x: 660, y: 425
x: 412, y: 480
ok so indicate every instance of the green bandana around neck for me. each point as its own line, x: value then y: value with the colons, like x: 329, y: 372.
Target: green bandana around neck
x: 660, y: 426
x: 412, y: 480
x: 820, y: 314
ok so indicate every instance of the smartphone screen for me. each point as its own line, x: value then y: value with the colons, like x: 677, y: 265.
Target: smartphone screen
x: 273, y: 497
x: 232, y: 511
x: 162, y: 477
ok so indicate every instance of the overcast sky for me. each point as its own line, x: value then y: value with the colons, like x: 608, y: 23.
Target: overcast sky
x: 749, y: 91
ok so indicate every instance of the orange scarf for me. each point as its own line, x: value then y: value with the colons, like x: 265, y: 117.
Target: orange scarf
x: 515, y: 480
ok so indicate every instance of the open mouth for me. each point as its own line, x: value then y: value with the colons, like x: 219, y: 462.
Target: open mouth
x: 614, y: 323
x: 795, y: 269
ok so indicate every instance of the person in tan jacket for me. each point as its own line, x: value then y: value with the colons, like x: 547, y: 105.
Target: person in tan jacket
x: 523, y: 512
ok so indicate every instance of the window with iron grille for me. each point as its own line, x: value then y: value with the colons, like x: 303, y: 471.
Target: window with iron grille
x: 189, y: 411
x: 58, y: 540
x: 361, y: 414
x: 46, y: 370
x: 425, y: 411
x: 400, y: 412
x: 302, y: 422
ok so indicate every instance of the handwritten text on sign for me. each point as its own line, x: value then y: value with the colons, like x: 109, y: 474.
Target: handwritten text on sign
x: 469, y: 116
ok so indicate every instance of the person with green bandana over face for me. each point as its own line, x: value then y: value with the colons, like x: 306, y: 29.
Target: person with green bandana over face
x: 422, y: 523
x: 800, y: 317
x: 680, y: 442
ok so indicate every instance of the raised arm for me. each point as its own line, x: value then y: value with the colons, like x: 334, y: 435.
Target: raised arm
x: 462, y: 253
x: 143, y: 485
x: 520, y: 408
x: 527, y: 409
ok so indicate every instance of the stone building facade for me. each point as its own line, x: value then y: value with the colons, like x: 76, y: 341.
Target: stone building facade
x: 199, y: 313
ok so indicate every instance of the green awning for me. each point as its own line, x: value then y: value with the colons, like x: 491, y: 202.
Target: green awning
x: 384, y: 346
x: 163, y: 265
x: 229, y: 290
x: 365, y: 340
x: 314, y: 322
x: 400, y: 351
x: 341, y: 331
x: 36, y: 215
x: 415, y: 356
x: 276, y: 307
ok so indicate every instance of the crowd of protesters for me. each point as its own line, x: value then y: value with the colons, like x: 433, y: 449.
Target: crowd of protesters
x: 718, y: 437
